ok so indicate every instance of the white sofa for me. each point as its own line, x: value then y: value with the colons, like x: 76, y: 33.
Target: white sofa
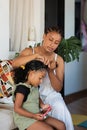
x: 6, y: 115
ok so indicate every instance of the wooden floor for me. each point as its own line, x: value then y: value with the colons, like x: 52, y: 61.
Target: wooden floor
x: 78, y: 106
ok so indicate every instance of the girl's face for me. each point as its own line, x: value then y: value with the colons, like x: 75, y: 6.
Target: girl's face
x: 51, y: 41
x: 36, y: 77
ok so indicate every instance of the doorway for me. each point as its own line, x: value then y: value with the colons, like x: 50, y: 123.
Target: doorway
x: 54, y: 13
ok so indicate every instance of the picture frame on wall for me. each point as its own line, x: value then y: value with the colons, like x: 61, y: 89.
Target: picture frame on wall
x: 84, y: 24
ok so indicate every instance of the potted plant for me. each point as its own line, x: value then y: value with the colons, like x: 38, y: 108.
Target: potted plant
x: 69, y: 49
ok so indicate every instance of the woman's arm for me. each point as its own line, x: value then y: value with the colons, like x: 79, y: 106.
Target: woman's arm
x: 57, y: 78
x: 24, y: 57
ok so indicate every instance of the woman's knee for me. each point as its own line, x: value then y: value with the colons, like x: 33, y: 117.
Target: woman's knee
x: 60, y: 126
x: 63, y: 127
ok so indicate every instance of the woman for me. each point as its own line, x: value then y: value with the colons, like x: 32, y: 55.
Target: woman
x: 53, y: 82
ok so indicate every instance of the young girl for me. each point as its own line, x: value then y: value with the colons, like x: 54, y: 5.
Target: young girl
x: 27, y: 114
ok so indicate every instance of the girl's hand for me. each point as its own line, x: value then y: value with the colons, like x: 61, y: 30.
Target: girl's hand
x: 38, y: 116
x: 45, y: 107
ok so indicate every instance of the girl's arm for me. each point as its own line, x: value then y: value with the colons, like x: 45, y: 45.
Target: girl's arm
x: 18, y: 106
x: 57, y: 78
x: 21, y: 111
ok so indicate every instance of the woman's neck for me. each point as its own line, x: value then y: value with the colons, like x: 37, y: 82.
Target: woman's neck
x: 43, y: 51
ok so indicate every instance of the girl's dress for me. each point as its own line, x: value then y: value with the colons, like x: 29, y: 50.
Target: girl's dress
x: 31, y: 104
x: 59, y: 108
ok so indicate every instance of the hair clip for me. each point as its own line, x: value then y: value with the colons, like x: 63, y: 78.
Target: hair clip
x: 22, y: 66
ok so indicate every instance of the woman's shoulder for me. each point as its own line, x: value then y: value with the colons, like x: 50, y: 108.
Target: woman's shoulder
x: 59, y: 59
x: 26, y: 51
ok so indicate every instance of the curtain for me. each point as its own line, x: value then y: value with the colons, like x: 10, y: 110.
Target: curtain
x: 21, y: 18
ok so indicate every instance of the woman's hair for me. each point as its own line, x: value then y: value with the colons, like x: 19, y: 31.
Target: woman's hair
x: 21, y: 73
x: 54, y: 29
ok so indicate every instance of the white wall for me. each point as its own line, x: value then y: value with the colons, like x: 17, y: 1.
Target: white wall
x: 75, y: 72
x: 76, y: 75
x: 4, y: 29
x: 39, y: 18
x: 69, y: 18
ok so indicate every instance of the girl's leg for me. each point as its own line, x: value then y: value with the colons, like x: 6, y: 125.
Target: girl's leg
x: 40, y: 125
x: 57, y: 124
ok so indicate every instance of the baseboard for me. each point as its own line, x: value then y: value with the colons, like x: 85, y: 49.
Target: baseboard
x: 75, y: 96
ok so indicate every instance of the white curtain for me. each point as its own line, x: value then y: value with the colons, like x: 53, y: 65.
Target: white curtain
x: 21, y: 18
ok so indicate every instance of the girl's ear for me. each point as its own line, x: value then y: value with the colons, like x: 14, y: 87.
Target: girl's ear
x: 31, y: 72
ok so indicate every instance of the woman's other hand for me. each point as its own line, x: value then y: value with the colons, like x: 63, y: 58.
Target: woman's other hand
x: 52, y: 65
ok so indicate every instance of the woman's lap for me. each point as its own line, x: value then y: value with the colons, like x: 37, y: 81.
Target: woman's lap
x: 60, y: 110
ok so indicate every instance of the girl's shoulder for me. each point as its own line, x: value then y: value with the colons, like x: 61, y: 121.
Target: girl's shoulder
x: 23, y: 84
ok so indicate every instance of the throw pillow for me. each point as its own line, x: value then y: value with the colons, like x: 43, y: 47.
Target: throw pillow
x: 6, y: 82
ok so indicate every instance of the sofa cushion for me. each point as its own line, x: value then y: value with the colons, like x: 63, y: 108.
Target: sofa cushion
x: 6, y: 119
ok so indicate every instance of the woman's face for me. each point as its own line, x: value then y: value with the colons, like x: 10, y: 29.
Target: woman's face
x: 36, y: 77
x: 51, y: 41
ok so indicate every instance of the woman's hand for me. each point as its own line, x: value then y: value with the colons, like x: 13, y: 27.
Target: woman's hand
x: 52, y: 65
x: 44, y: 59
x: 39, y: 57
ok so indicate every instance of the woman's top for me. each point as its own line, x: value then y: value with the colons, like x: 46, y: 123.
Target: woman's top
x: 46, y: 90
x: 30, y: 103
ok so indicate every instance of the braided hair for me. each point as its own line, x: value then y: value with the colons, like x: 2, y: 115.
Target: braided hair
x: 56, y: 29
x: 21, y: 73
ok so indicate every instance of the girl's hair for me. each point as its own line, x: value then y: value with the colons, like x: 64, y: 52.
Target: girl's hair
x: 21, y: 73
x: 54, y: 29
